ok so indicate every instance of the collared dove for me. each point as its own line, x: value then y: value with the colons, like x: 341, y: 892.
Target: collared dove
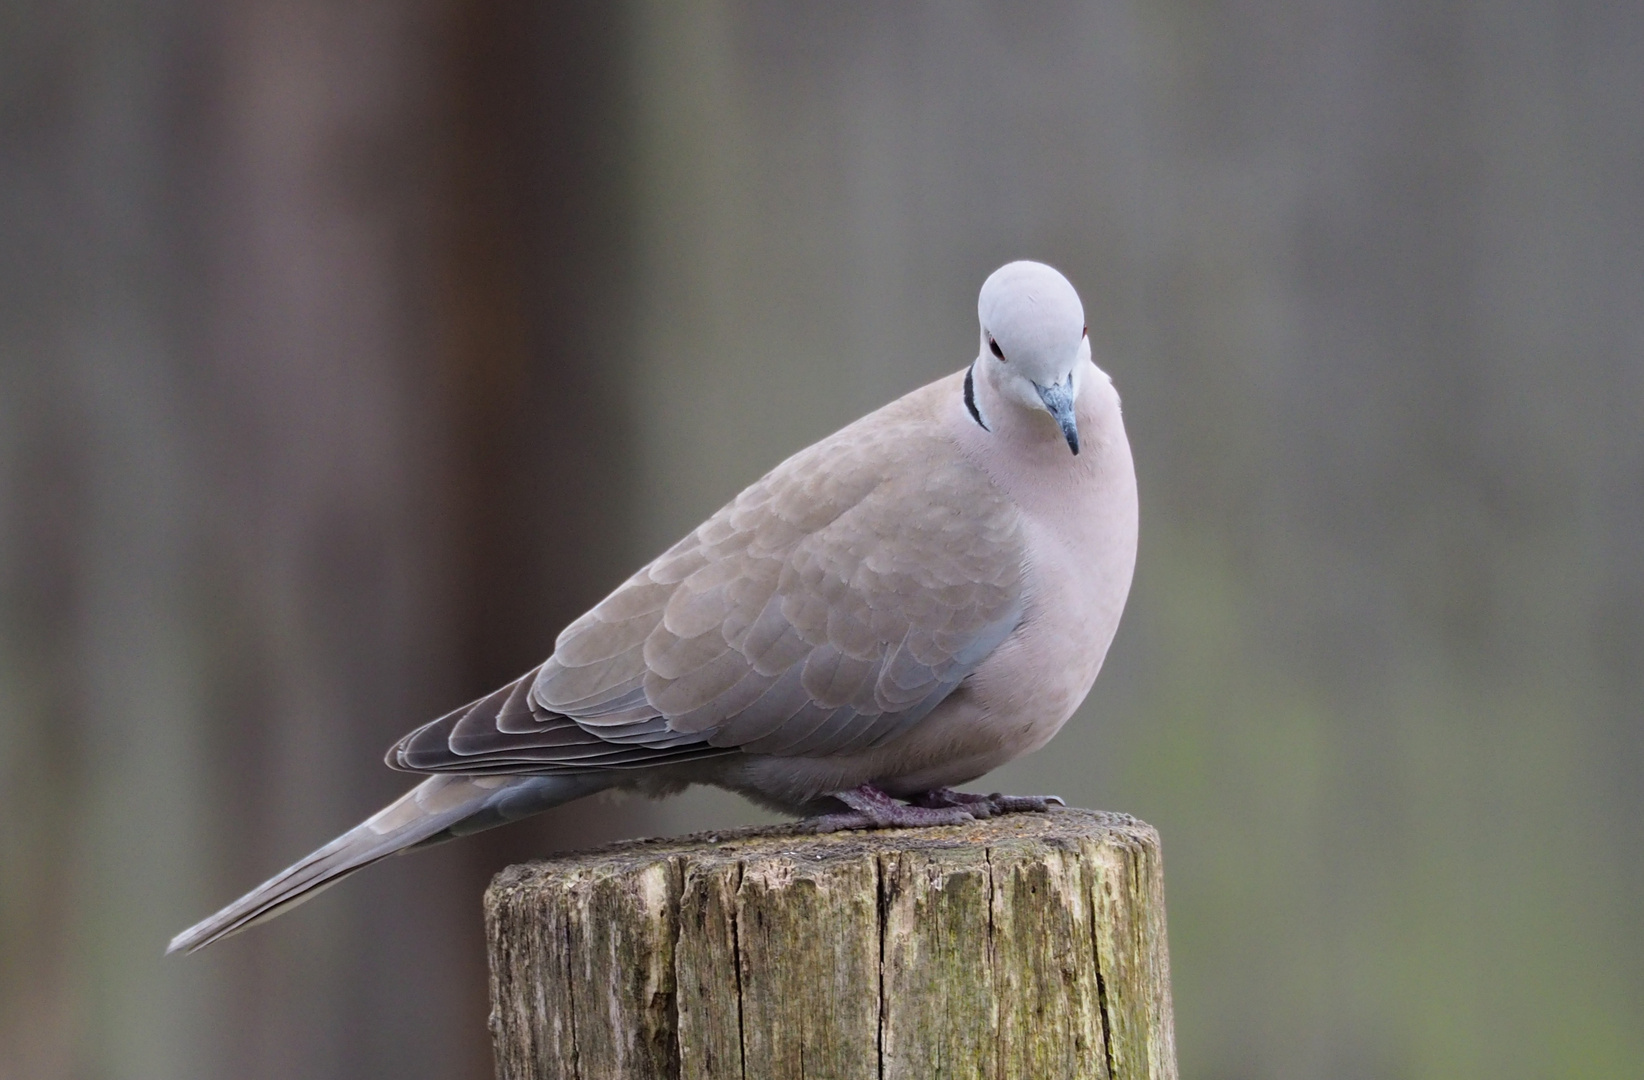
x: 898, y: 609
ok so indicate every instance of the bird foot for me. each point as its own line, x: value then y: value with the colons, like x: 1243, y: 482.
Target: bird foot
x: 986, y: 806
x: 871, y: 808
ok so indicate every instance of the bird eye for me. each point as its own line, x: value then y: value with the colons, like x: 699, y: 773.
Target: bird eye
x: 1085, y: 332
x: 997, y: 351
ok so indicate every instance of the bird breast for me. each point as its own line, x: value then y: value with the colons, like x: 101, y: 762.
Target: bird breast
x: 1080, y: 515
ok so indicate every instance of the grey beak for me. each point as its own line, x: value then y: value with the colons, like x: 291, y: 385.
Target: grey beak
x: 1059, y: 403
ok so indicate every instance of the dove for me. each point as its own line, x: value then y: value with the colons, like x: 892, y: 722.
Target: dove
x: 902, y: 607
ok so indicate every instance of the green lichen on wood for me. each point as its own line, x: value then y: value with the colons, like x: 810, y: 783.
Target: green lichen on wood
x: 1028, y: 945
x: 938, y: 967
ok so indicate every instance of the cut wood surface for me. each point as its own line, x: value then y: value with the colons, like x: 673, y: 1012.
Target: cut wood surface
x: 1029, y: 945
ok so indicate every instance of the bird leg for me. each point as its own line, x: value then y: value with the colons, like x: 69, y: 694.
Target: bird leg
x: 871, y: 808
x: 986, y: 806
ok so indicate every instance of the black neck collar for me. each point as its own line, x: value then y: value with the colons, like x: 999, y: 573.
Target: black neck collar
x: 970, y: 398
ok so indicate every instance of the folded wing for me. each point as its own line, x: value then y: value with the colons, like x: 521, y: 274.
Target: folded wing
x: 832, y: 605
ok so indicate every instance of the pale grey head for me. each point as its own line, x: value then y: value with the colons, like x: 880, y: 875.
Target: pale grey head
x: 1034, y: 348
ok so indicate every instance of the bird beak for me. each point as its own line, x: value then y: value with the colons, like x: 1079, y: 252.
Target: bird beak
x: 1059, y: 403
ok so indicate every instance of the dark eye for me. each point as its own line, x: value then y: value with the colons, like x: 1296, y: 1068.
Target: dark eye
x: 997, y: 351
x: 1085, y: 332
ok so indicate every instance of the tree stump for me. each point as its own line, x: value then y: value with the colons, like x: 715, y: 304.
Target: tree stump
x: 1026, y: 946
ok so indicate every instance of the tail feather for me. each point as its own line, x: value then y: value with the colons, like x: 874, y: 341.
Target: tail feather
x: 438, y: 809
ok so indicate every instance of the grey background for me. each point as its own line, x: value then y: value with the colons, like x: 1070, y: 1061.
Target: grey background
x: 347, y: 351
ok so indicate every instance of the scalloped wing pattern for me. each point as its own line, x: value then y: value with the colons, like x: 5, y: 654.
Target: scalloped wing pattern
x: 826, y: 609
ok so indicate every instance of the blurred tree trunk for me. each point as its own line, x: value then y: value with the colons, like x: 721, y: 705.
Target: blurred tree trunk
x: 308, y: 436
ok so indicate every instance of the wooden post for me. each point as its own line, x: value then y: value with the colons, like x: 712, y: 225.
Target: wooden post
x: 1027, y: 946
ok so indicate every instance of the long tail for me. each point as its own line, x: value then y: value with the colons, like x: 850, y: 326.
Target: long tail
x: 439, y: 808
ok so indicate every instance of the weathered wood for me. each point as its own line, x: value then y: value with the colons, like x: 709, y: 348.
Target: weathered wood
x: 1031, y: 945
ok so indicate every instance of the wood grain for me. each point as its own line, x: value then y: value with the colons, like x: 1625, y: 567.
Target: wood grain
x: 1029, y: 945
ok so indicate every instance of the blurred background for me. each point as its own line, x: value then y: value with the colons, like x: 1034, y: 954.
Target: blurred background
x: 349, y: 350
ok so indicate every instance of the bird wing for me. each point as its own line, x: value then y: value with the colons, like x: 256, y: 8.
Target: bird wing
x: 826, y: 609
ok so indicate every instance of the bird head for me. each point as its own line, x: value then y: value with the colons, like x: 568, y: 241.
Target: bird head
x: 1034, y: 346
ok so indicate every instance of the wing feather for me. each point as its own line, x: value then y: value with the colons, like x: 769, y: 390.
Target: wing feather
x: 825, y: 610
